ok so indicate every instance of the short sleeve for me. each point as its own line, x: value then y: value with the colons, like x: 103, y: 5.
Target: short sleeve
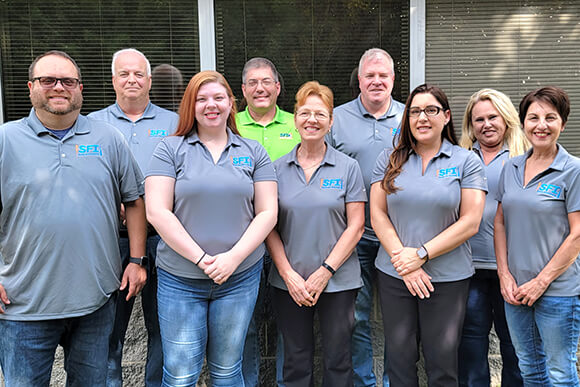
x: 355, y: 186
x: 380, y: 166
x: 162, y: 161
x: 130, y: 177
x: 263, y: 170
x: 501, y: 183
x: 473, y: 173
x: 573, y: 191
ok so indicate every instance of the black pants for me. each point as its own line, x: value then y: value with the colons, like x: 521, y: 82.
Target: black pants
x: 336, y: 317
x: 435, y: 322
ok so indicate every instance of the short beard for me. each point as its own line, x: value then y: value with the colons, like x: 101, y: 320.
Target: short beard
x: 75, y: 104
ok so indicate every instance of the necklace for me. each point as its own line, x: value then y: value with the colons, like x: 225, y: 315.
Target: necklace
x: 310, y: 167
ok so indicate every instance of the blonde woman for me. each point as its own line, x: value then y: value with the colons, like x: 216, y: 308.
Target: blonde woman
x: 491, y: 129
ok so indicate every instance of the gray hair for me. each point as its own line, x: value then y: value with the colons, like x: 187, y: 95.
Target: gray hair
x: 256, y: 63
x: 375, y: 53
x: 116, y: 55
x: 62, y: 54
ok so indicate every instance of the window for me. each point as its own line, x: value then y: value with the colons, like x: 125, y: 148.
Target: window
x: 319, y: 40
x: 91, y: 31
x: 514, y: 47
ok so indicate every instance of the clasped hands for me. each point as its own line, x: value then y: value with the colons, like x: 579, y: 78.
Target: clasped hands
x: 408, y: 265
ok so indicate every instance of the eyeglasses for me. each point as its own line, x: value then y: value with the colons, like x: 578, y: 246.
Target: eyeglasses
x: 430, y: 110
x: 266, y: 82
x: 50, y: 82
x: 318, y: 116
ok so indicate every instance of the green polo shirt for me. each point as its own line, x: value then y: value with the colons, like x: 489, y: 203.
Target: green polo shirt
x: 278, y: 137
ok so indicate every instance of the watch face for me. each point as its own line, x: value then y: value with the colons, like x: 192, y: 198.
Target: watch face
x: 422, y: 253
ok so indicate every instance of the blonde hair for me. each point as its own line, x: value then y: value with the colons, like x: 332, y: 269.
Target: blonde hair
x: 513, y: 137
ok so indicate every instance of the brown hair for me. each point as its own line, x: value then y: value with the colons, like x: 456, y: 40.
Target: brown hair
x: 316, y: 89
x: 407, y: 142
x: 187, y: 123
x: 553, y: 95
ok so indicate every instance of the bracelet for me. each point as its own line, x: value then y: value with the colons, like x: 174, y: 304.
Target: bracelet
x: 329, y: 268
x: 199, y: 260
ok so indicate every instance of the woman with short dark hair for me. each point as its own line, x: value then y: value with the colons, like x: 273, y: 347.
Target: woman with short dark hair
x: 537, y: 242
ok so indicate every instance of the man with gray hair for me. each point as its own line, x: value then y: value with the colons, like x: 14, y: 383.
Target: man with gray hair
x: 265, y: 122
x: 362, y: 128
x: 143, y: 125
x: 63, y: 178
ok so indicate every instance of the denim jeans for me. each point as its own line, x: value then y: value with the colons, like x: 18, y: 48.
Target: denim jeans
x: 545, y: 337
x: 362, y: 347
x: 262, y: 314
x: 154, y: 365
x: 485, y: 306
x: 27, y: 348
x: 197, y: 315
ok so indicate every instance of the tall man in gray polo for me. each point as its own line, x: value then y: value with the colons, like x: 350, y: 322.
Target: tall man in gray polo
x: 362, y: 128
x: 144, y: 125
x: 63, y: 178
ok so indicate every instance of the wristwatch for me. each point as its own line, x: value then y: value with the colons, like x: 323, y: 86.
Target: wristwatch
x: 141, y: 261
x: 422, y: 253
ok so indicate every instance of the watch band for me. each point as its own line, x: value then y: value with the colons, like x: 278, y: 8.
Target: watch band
x: 141, y: 261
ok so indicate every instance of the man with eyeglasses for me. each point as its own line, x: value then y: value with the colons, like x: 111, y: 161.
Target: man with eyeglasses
x: 265, y: 122
x: 362, y: 128
x: 144, y: 125
x: 63, y: 178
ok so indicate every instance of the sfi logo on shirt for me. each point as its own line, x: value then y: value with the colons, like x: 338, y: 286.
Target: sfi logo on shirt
x: 286, y: 136
x: 394, y: 131
x: 157, y: 133
x: 331, y: 183
x: 89, y: 150
x: 242, y: 161
x: 549, y: 189
x: 448, y: 172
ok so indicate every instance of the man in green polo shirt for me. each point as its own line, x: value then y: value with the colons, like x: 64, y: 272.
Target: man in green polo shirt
x: 263, y: 120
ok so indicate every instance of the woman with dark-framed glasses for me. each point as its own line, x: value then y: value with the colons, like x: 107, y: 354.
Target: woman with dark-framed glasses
x: 427, y: 199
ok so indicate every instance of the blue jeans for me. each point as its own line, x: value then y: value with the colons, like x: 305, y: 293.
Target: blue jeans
x: 545, y: 337
x: 362, y: 347
x: 196, y: 315
x: 27, y: 348
x: 262, y: 314
x: 485, y: 306
x: 154, y: 366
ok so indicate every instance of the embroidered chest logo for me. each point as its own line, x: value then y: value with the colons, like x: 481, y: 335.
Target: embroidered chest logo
x: 448, y: 172
x: 286, y: 136
x: 242, y: 161
x: 88, y: 150
x: 157, y: 133
x: 331, y: 183
x: 394, y: 131
x: 549, y: 189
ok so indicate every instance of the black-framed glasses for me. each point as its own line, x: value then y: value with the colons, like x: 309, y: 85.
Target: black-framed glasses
x: 430, y: 110
x: 50, y: 82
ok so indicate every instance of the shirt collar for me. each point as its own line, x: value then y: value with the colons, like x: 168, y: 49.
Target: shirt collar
x: 394, y: 109
x: 445, y: 149
x: 559, y: 161
x: 246, y: 119
x: 79, y: 127
x: 120, y: 114
x: 329, y: 155
x: 477, y: 147
x: 232, y: 139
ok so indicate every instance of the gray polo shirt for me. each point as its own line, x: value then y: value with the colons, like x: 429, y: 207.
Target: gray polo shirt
x: 59, y: 255
x: 213, y: 202
x: 358, y: 134
x: 312, y: 216
x: 536, y: 218
x: 144, y: 134
x: 482, y: 242
x: 429, y: 203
